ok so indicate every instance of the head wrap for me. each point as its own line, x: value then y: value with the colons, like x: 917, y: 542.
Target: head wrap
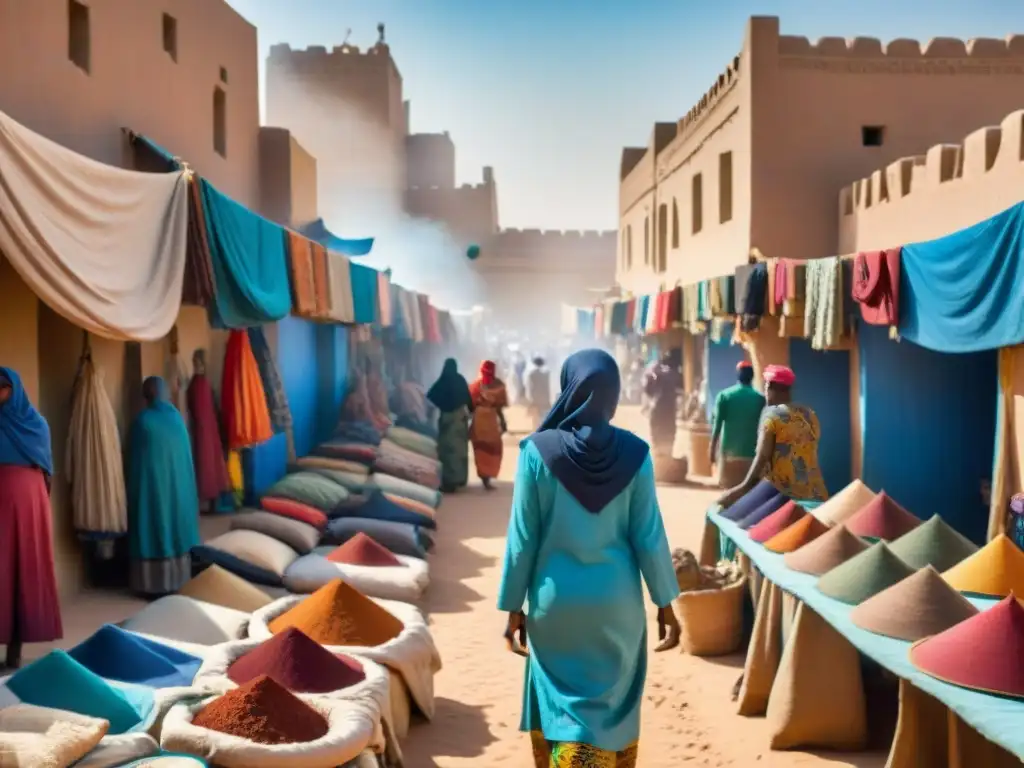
x: 779, y: 374
x: 593, y: 460
x: 24, y: 433
x: 743, y: 364
x: 487, y: 371
x: 450, y: 392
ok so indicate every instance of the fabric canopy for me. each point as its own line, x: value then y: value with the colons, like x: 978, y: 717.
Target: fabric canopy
x: 318, y: 231
x: 102, y: 246
x: 965, y: 292
x: 250, y: 263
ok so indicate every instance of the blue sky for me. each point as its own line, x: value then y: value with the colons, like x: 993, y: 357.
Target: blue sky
x: 549, y: 91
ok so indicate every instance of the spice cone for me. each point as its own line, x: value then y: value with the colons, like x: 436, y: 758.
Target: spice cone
x: 845, y: 504
x: 298, y: 663
x: 882, y: 519
x: 221, y: 587
x: 337, y: 614
x: 363, y: 550
x: 826, y: 552
x: 864, y: 575
x: 265, y: 712
x: 776, y: 522
x: 995, y: 570
x: 803, y: 531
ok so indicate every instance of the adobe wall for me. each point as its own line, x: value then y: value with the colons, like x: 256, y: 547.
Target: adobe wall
x: 288, y: 175
x: 132, y: 83
x: 469, y: 211
x: 344, y: 106
x: 430, y: 160
x: 636, y: 204
x: 810, y: 102
x: 949, y: 187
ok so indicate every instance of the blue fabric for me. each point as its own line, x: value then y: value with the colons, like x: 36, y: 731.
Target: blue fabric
x: 173, y: 163
x: 997, y: 719
x: 365, y: 292
x: 59, y: 682
x: 116, y: 654
x: 762, y: 511
x: 24, y: 433
x: 450, y: 392
x: 250, y: 263
x: 263, y: 465
x: 965, y: 292
x: 378, y: 507
x: 163, y: 509
x: 749, y: 502
x: 581, y: 574
x: 400, y: 538
x: 576, y: 441
x: 318, y: 231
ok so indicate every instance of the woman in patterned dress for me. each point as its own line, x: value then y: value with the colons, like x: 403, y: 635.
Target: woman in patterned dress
x: 489, y: 400
x: 787, y: 447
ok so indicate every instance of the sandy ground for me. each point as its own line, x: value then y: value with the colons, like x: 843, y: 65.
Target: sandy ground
x: 688, y: 718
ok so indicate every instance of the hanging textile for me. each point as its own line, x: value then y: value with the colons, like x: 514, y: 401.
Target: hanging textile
x: 704, y: 313
x: 321, y: 283
x: 675, y: 307
x: 207, y: 449
x: 318, y: 232
x: 243, y: 402
x: 93, y: 461
x: 965, y: 292
x: 823, y: 304
x: 727, y: 292
x: 618, y: 315
x: 771, y: 267
x: 101, y: 246
x: 399, y: 316
x: 412, y: 305
x: 197, y: 288
x: 300, y: 260
x: 384, y: 300
x: 792, y: 324
x: 780, y: 286
x: 340, y: 277
x: 751, y: 286
x: 876, y: 286
x: 273, y: 385
x: 1002, y: 462
x: 250, y: 263
x: 631, y: 307
x: 364, y: 293
x: 570, y: 320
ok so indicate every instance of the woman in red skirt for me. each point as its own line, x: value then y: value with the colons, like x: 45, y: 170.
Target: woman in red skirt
x: 29, y: 606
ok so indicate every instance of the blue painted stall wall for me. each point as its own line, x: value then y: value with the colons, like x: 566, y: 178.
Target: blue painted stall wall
x: 928, y: 422
x: 722, y: 357
x: 312, y: 358
x: 823, y: 383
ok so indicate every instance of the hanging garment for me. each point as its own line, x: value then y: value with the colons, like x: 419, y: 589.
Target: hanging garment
x: 823, y: 322
x: 704, y: 300
x: 631, y: 306
x: 103, y: 247
x: 300, y: 260
x: 364, y: 293
x: 792, y: 324
x: 243, y: 403
x: 876, y: 286
x: 321, y: 282
x: 781, y: 284
x: 399, y: 321
x: 384, y: 300
x: 207, y: 449
x: 675, y: 307
x: 751, y: 288
x: 250, y: 263
x: 197, y: 289
x: 339, y: 273
x: 163, y: 509
x: 93, y: 463
x: 771, y: 307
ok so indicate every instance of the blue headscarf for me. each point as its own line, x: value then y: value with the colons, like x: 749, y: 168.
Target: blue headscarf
x: 593, y: 460
x: 24, y: 433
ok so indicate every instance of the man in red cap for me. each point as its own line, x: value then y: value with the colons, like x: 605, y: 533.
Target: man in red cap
x: 734, y: 427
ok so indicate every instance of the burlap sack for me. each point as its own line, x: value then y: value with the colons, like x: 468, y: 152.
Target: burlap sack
x: 969, y: 749
x: 922, y: 733
x: 763, y: 653
x: 818, y: 698
x: 710, y: 551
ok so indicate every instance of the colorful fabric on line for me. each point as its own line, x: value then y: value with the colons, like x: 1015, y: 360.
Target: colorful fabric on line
x: 197, y: 288
x: 965, y: 292
x: 318, y: 232
x: 24, y: 433
x: 243, y: 402
x: 273, y: 384
x: 250, y: 263
x: 364, y: 293
x: 386, y: 313
x: 823, y: 306
x: 876, y: 286
x: 321, y: 282
x: 300, y: 258
x: 556, y: 754
x: 339, y: 274
x: 207, y: 449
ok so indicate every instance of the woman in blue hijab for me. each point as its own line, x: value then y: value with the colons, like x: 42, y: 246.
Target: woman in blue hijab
x: 29, y: 607
x: 585, y: 530
x: 163, y: 506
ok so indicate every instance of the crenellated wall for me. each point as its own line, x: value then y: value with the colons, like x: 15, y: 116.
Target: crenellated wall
x: 468, y: 211
x: 947, y: 188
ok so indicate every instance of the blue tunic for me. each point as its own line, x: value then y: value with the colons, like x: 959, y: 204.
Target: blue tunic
x: 587, y: 628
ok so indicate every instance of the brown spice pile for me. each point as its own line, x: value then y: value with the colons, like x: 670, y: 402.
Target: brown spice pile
x: 337, y: 614
x: 263, y: 711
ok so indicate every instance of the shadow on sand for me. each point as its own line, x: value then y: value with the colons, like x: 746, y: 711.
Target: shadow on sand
x: 457, y: 730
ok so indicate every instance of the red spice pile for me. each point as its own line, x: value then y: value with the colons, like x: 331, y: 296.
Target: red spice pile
x: 363, y: 550
x: 265, y: 712
x: 337, y: 614
x: 298, y: 663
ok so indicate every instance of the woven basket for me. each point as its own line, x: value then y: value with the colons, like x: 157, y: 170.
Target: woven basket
x: 698, y: 448
x: 669, y: 470
x: 711, y: 620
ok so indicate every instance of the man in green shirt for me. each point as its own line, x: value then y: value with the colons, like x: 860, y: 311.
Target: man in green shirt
x: 734, y: 427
